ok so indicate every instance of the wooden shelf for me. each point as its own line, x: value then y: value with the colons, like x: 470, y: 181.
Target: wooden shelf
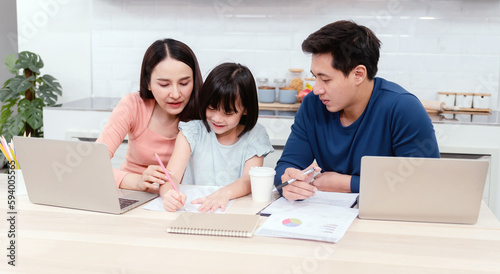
x: 295, y: 107
x: 474, y: 111
x: 279, y: 106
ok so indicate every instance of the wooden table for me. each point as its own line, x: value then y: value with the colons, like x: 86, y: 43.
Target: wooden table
x: 59, y: 240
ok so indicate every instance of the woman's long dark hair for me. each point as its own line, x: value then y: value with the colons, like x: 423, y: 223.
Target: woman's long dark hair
x: 159, y: 51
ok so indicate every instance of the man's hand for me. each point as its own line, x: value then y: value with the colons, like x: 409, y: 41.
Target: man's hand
x: 333, y: 182
x: 300, y: 189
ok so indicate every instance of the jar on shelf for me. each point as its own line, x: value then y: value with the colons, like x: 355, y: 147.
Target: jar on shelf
x: 265, y: 92
x: 262, y: 82
x: 481, y: 101
x: 279, y: 83
x: 295, y: 80
x: 309, y: 80
x: 288, y: 95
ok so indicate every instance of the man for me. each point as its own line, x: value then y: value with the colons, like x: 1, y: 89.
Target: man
x: 351, y: 114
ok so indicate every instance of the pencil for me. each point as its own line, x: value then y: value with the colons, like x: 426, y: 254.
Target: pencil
x: 14, y: 155
x: 168, y: 176
x: 6, y: 149
x: 5, y: 153
x: 166, y: 173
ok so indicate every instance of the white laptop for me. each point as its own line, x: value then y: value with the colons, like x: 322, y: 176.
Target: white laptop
x: 421, y: 189
x: 74, y: 175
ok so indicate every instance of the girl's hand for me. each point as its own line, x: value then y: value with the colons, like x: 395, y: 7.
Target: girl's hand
x: 214, y: 201
x: 151, y: 179
x: 173, y: 200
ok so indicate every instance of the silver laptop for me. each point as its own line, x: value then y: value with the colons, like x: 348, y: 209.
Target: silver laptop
x: 74, y: 175
x: 421, y: 189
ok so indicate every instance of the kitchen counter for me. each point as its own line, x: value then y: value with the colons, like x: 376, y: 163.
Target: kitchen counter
x: 90, y: 104
x: 286, y: 111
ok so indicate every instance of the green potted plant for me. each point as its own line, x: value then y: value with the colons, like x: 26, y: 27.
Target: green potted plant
x: 24, y: 95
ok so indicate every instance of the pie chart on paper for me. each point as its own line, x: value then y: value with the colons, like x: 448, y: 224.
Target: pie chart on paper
x: 291, y: 222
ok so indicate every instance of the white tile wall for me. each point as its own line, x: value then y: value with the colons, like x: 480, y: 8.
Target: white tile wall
x: 59, y: 31
x: 428, y: 46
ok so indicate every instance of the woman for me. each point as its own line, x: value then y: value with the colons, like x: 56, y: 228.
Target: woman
x: 169, y: 85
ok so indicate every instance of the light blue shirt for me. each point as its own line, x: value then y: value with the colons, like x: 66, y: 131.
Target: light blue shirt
x: 219, y: 165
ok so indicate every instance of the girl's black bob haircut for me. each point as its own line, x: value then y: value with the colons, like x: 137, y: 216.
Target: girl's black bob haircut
x: 225, y: 85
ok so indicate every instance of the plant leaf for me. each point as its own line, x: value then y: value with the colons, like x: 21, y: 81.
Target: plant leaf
x: 24, y: 60
x: 29, y: 60
x: 23, y: 105
x: 46, y: 94
x: 5, y: 115
x: 38, y: 103
x: 34, y: 69
x: 39, y: 63
x: 20, y: 84
x: 15, y: 82
x: 32, y: 112
x: 53, y: 83
x: 15, y: 125
x: 5, y: 133
x: 6, y: 94
x: 6, y: 84
x: 10, y: 63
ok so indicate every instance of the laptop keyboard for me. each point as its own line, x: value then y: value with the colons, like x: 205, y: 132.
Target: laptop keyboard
x: 126, y: 202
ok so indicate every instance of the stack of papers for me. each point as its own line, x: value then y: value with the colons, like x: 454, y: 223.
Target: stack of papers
x: 323, y: 217
x: 321, y: 197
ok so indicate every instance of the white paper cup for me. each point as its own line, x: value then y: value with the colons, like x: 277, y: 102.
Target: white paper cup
x: 261, y: 179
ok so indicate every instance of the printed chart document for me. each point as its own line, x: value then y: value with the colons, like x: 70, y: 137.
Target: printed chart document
x: 321, y: 197
x: 192, y: 192
x: 312, y: 221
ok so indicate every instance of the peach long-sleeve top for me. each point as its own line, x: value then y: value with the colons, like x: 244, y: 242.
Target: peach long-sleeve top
x: 131, y: 116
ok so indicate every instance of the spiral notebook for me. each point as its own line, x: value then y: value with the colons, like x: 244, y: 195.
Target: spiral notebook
x: 229, y: 225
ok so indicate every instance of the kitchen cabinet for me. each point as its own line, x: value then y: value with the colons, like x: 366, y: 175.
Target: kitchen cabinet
x: 459, y: 135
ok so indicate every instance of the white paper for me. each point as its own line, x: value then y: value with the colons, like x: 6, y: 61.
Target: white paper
x: 192, y: 192
x: 321, y: 197
x: 312, y: 221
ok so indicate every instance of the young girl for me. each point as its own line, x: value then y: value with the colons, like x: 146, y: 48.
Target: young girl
x: 169, y: 85
x: 220, y: 148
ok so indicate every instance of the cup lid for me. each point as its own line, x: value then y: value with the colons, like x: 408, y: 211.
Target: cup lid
x: 261, y: 171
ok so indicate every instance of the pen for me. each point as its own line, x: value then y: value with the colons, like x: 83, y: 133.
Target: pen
x: 305, y: 172
x: 168, y: 176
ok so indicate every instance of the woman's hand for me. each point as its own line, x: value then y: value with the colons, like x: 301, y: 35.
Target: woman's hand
x: 151, y: 179
x: 214, y: 201
x: 173, y: 200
